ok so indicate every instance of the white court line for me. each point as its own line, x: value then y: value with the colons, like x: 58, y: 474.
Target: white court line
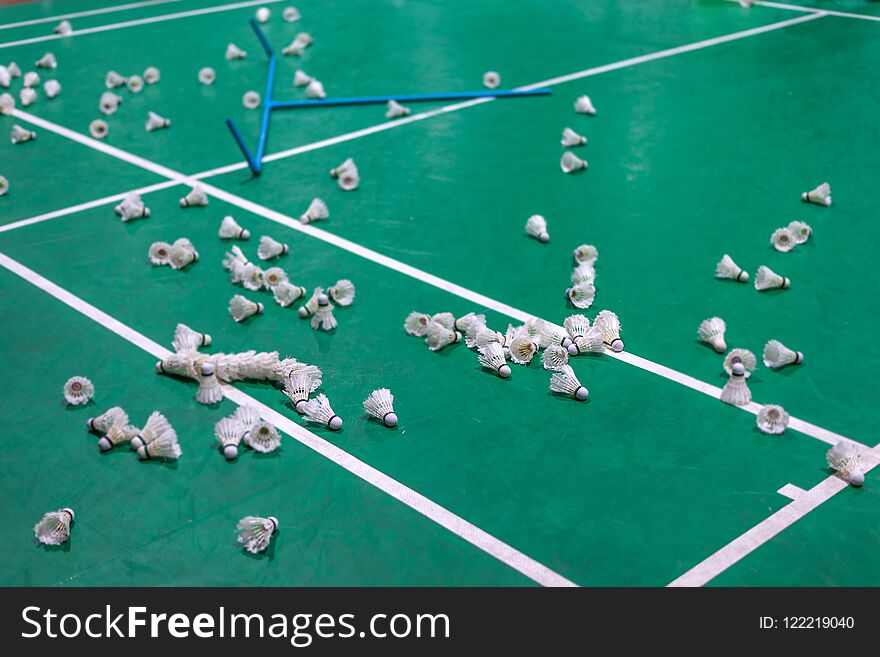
x: 806, y: 501
x: 465, y: 530
x: 139, y: 21
x: 791, y: 491
x: 813, y: 10
x: 90, y: 12
x: 413, y: 272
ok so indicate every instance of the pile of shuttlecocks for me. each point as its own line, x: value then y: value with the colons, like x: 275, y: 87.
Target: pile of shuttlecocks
x: 28, y: 83
x: 247, y: 427
x: 177, y: 255
x: 157, y: 440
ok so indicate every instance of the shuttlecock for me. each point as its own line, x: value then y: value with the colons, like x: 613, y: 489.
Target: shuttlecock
x: 380, y: 404
x: 554, y: 357
x: 54, y: 527
x: 464, y: 322
x: 78, y: 390
x: 98, y: 129
x: 31, y: 80
x: 491, y: 356
x: 255, y: 533
x: 416, y: 324
x: 772, y: 419
x: 777, y: 355
x: 394, y: 110
x: 241, y: 308
x: 182, y: 254
x: 152, y: 75
x: 438, y: 336
x: 270, y: 248
x: 230, y: 230
x: 536, y: 226
x: 300, y: 42
x: 609, y: 326
x: 135, y: 83
x: 576, y: 325
x: 317, y: 211
x: 314, y: 89
x: 156, y: 122
x: 234, y: 52
x: 14, y: 70
x: 767, y: 279
x: 157, y: 440
x: 342, y: 292
x: 565, y: 382
x: 20, y: 135
x: 554, y: 335
x: 207, y: 75
x: 286, y: 293
x: 132, y: 207
x: 819, y: 196
x: 5, y: 77
x: 102, y: 423
x: 727, y: 268
x: 712, y: 331
x: 800, y: 230
x: 210, y: 391
x: 491, y: 80
x: 746, y: 4
x: 109, y: 102
x: 46, y: 61
x: 4, y: 186
x: 291, y: 14
x: 251, y: 100
x: 27, y: 96
x: 51, y: 88
x: 583, y: 273
x: 186, y: 339
x: 228, y: 432
x: 571, y: 162
x: 319, y: 411
x: 263, y: 14
x: 570, y: 138
x: 298, y: 388
x: 113, y: 80
x: 308, y: 309
x: 736, y: 391
x: 581, y: 295
x: 117, y: 434
x: 301, y: 79
x: 583, y: 105
x: 63, y: 28
x: 323, y: 316
x: 845, y: 458
x: 740, y: 361
x: 590, y: 342
x: 263, y: 438
x: 783, y: 240
x: 195, y: 196
x: 7, y: 104
x: 274, y: 276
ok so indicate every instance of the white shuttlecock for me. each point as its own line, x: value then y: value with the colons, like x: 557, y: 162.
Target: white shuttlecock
x: 314, y: 89
x: 783, y: 240
x: 209, y: 391
x: 195, y: 196
x: 394, y: 110
x: 27, y: 96
x: 772, y: 419
x: 438, y: 336
x: 554, y: 335
x: 464, y: 322
x: 380, y: 404
x: 14, y: 70
x: 207, y: 75
x: 342, y: 292
x: 416, y: 324
x: 571, y: 163
x: 491, y: 79
x: 7, y: 104
x: 576, y: 325
x: 819, y: 196
x: 565, y: 382
x: 109, y: 102
x: 159, y: 254
x: 4, y: 186
x: 51, y: 88
x: 263, y: 14
x: 31, y: 79
x: 323, y: 316
x: 712, y: 331
x: 102, y: 423
x: 554, y: 357
x: 491, y: 356
x: 536, y: 226
x: 583, y: 105
x: 182, y: 254
x: 291, y: 14
x: 777, y: 355
x: 98, y: 129
x: 78, y: 390
x: 186, y: 339
x: 319, y: 411
x: 241, y: 308
x: 229, y: 432
x: 54, y: 527
x: 157, y: 440
x: 251, y: 100
x: 308, y: 309
x: 736, y: 391
x: 740, y: 361
x: 117, y: 434
x: 298, y: 388
x: 581, y: 295
x: 156, y: 122
x: 234, y: 52
x: 274, y: 276
x: 113, y: 80
x: 135, y: 84
x: 349, y: 179
x: 46, y: 61
x: 252, y: 277
x: 230, y: 230
x: 262, y: 437
x: 270, y: 248
x: 767, y: 279
x: 152, y: 75
x: 296, y: 47
x: 845, y: 458
x: 571, y: 139
x: 255, y: 533
x: 5, y: 77
x: 727, y: 268
x: 64, y: 28
x: 301, y: 79
x: 347, y: 164
x: 132, y: 207
x: 608, y: 324
x: 286, y: 293
x: 317, y: 211
x: 800, y: 230
x: 20, y: 135
x: 583, y: 273
x: 521, y: 348
x: 591, y: 342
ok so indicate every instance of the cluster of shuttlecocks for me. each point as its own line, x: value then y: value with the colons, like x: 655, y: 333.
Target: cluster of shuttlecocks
x: 246, y: 426
x: 571, y: 163
x: 156, y: 440
x: 29, y: 85
x: 111, y: 99
x: 177, y: 255
x: 766, y: 279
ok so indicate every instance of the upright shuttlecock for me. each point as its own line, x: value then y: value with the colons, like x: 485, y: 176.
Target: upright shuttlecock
x: 51, y: 88
x: 800, y: 230
x: 234, y: 52
x: 772, y: 419
x: 777, y: 355
x: 581, y: 295
x: 7, y: 104
x: 113, y: 80
x: 438, y: 336
x: 571, y: 163
x: 98, y: 129
x: 323, y: 316
x: 263, y: 14
x: 251, y: 100
x: 845, y: 458
x: 262, y: 437
x: 102, y: 423
x: 740, y: 361
x: 195, y: 196
x: 119, y: 433
x: 491, y: 80
x: 286, y: 293
x: 64, y: 28
x: 186, y: 339
x: 27, y: 96
x: 491, y: 356
x: 31, y: 79
x: 152, y: 75
x: 570, y: 138
x: 156, y: 122
x: 46, y: 61
x: 783, y: 240
x: 132, y: 207
x: 394, y: 110
x: 819, y: 196
x: 291, y: 14
x: 583, y: 105
x: 319, y: 411
x: 210, y: 391
x: 159, y: 253
x: 380, y: 404
x: 554, y: 357
x: 609, y: 326
x: 315, y: 89
x: 736, y: 391
x: 20, y: 135
x: 78, y: 390
x: 228, y: 432
x: 207, y: 75
x: 54, y: 527
x: 109, y: 102
x: 230, y: 230
x: 536, y: 226
x: 241, y: 308
x: 270, y: 248
x: 317, y: 211
x: 255, y: 533
x: 135, y: 84
x: 576, y: 326
x: 342, y: 292
x: 711, y: 331
x: 565, y: 382
x: 157, y: 440
x: 767, y: 279
x: 727, y: 268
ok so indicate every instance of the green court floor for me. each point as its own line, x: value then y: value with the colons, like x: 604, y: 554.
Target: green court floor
x: 691, y: 155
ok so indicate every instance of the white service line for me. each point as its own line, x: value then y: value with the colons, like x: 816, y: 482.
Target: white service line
x: 814, y: 10
x: 90, y: 12
x: 139, y: 21
x: 805, y: 501
x: 465, y: 530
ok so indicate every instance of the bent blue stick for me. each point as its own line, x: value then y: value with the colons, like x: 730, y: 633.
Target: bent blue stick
x: 406, y: 98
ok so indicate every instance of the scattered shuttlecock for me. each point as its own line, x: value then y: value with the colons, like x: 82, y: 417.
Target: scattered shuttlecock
x: 210, y: 391
x: 777, y: 355
x: 736, y: 391
x: 772, y: 419
x: 740, y: 361
x: 241, y: 308
x: 491, y: 356
x: 608, y: 325
x: 270, y: 248
x: 767, y: 279
x: 4, y: 186
x: 5, y: 77
x: 554, y: 357
x: 536, y: 226
x: 342, y: 292
x: 581, y: 295
x: 308, y: 309
x: 27, y: 96
x: 347, y: 164
x: 727, y: 268
x: 296, y: 47
x: 438, y: 336
x: 323, y: 316
x: 113, y: 80
x: 301, y: 79
x: 590, y: 342
x: 845, y: 458
x: 783, y: 240
x: 576, y: 325
x: 182, y: 254
x: 819, y: 196
x: 118, y: 434
x: 315, y: 89
x: 46, y: 61
x: 317, y: 211
x: 565, y: 382
x: 64, y: 28
x: 31, y: 79
x: 584, y: 273
x: 291, y: 14
x: 20, y: 135
x: 570, y: 138
x: 571, y: 163
x: 14, y: 70
x: 711, y: 331
x: 380, y: 404
x: 394, y: 110
x: 286, y: 293
x: 156, y: 122
x: 230, y: 230
x: 229, y: 432
x: 135, y: 84
x: 255, y: 533
x: 416, y: 324
x: 78, y: 390
x: 98, y: 129
x: 263, y: 437
x: 207, y: 75
x: 195, y: 196
x: 491, y: 80
x: 152, y: 75
x: 157, y: 440
x: 319, y: 411
x: 800, y: 230
x: 273, y: 277
x: 234, y: 52
x: 102, y: 423
x: 109, y: 102
x: 132, y: 207
x: 251, y: 100
x: 348, y: 179
x: 186, y: 339
x: 54, y: 527
x: 51, y: 88
x: 583, y: 105
x: 263, y: 14
x: 7, y: 104
x: 554, y: 335
x: 298, y: 388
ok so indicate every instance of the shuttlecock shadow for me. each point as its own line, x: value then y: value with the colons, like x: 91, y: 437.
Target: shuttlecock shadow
x: 261, y: 456
x: 569, y: 398
x: 169, y: 464
x: 63, y: 547
x: 266, y: 555
x: 379, y: 423
x: 78, y: 408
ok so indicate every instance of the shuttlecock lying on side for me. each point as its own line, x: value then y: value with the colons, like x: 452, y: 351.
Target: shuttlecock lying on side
x: 565, y: 382
x: 186, y: 339
x: 234, y: 52
x: 777, y: 355
x: 740, y: 361
x: 157, y: 440
x: 319, y: 411
x: 255, y: 533
x: 438, y: 336
x: 118, y: 434
x: 536, y: 226
x: 113, y: 80
x: 51, y: 88
x: 301, y: 79
x: 583, y: 105
x: 14, y: 70
x: 182, y: 254
x: 27, y: 96
x: 20, y: 135
x: 711, y: 331
x: 156, y: 122
x: 46, y: 61
x: 132, y: 207
x: 270, y: 248
x: 608, y: 325
x: 195, y: 196
x: 54, y: 527
x: 296, y: 47
x: 783, y: 240
x: 98, y: 129
x: 207, y: 75
x: 342, y: 292
x: 491, y: 356
x: 251, y: 100
x: 152, y: 75
x: 63, y: 28
x: 78, y: 390
x: 581, y: 295
x: 394, y: 110
x: 230, y: 230
x: 800, y: 230
x: 314, y: 89
x: 380, y: 404
x: 553, y: 335
x: 570, y: 138
x: 736, y: 391
x: 317, y: 211
x: 772, y: 419
x: 491, y: 80
x: 291, y: 14
x: 286, y: 293
x: 241, y: 308
x: 727, y: 268
x: 228, y: 432
x: 135, y: 83
x: 845, y: 458
x: 5, y: 77
x: 767, y: 279
x: 819, y: 196
x: 571, y: 163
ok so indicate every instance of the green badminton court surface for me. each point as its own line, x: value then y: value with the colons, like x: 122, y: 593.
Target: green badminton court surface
x: 712, y: 119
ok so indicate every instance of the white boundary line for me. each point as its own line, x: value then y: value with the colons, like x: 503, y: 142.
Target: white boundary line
x: 465, y: 530
x: 813, y: 10
x: 91, y: 12
x: 804, y: 502
x: 139, y: 21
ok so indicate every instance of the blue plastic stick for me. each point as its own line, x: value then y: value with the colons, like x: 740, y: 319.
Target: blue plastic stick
x: 254, y: 167
x: 267, y: 108
x: 411, y: 98
x: 262, y: 37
